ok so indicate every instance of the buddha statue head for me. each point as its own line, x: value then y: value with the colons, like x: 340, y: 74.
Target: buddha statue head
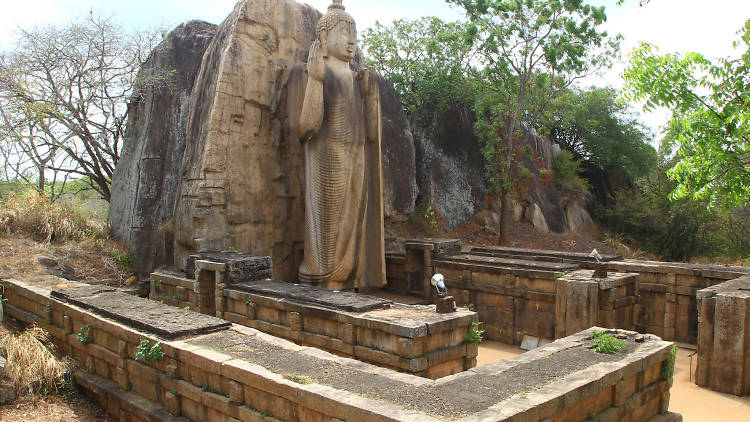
x: 337, y: 33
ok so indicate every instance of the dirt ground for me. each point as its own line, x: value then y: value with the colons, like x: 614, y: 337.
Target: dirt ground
x: 92, y: 262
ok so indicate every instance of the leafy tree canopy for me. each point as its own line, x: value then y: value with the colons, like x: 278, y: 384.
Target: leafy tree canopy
x: 423, y: 58
x: 710, y: 125
x: 595, y: 127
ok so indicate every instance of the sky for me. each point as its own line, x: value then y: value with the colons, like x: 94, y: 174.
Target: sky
x: 707, y: 27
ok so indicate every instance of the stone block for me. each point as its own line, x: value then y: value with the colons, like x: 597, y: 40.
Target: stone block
x: 172, y: 402
x: 239, y: 267
x: 724, y: 360
x: 236, y: 392
x: 347, y: 333
x: 295, y: 321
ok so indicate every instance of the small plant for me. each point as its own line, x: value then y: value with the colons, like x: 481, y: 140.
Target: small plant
x: 175, y: 296
x: 207, y: 389
x: 232, y: 249
x: 84, y: 335
x: 125, y: 261
x: 605, y: 343
x: 523, y: 394
x: 129, y: 386
x: 430, y: 216
x: 149, y: 353
x: 247, y: 301
x: 187, y: 308
x: 475, y: 334
x: 667, y: 370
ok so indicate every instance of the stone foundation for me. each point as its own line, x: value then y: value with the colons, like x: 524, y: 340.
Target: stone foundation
x: 667, y: 305
x: 197, y: 382
x: 724, y: 337
x: 407, y: 338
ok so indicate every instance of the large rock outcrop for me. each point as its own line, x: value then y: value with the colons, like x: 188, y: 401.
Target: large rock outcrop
x: 450, y: 166
x: 230, y: 172
x: 145, y: 181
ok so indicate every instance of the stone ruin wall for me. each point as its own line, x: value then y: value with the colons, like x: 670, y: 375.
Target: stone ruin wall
x: 514, y: 303
x: 199, y: 384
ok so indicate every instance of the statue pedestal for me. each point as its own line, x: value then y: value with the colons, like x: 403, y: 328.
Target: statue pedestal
x: 445, y: 304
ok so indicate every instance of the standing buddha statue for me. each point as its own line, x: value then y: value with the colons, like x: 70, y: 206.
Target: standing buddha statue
x: 335, y: 112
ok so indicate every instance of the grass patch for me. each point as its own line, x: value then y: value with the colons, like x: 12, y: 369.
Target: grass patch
x: 33, y: 215
x: 31, y: 364
x: 605, y: 343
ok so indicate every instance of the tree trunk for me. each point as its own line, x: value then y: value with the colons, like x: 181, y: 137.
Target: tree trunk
x: 40, y: 186
x: 505, y: 219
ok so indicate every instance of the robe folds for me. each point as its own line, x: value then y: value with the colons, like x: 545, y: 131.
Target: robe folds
x: 344, y: 246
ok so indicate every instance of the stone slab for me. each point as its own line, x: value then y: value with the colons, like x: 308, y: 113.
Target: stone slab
x: 436, y: 245
x: 739, y: 288
x: 344, y: 301
x: 143, y: 314
x: 240, y: 267
x: 577, y: 256
x: 513, y: 263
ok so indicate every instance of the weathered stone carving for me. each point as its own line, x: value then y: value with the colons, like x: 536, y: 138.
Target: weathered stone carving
x: 213, y: 164
x: 336, y: 114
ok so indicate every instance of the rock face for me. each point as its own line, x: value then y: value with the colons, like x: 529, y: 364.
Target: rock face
x: 578, y: 219
x: 450, y: 166
x: 211, y: 164
x: 535, y: 216
x: 145, y: 181
x: 399, y: 172
x: 241, y: 181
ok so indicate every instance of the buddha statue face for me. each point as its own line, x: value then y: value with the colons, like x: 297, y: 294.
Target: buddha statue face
x: 342, y: 41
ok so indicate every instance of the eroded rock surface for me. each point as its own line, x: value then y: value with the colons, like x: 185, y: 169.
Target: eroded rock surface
x: 145, y: 180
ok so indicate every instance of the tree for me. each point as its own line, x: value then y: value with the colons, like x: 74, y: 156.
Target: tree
x: 424, y: 59
x: 710, y: 124
x: 598, y: 129
x: 528, y: 51
x: 65, y: 91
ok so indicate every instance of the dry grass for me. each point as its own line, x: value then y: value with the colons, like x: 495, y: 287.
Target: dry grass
x: 31, y: 364
x: 30, y: 214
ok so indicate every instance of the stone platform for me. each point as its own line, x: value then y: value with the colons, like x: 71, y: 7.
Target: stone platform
x: 408, y: 338
x: 344, y: 301
x: 243, y: 374
x: 143, y: 314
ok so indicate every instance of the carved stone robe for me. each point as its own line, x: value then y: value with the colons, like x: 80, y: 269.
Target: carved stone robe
x: 344, y: 247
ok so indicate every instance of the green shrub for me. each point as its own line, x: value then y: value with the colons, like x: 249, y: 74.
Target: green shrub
x: 147, y: 352
x: 605, y: 343
x: 126, y: 261
x: 475, y: 334
x: 566, y: 174
x: 667, y: 371
x: 84, y: 335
